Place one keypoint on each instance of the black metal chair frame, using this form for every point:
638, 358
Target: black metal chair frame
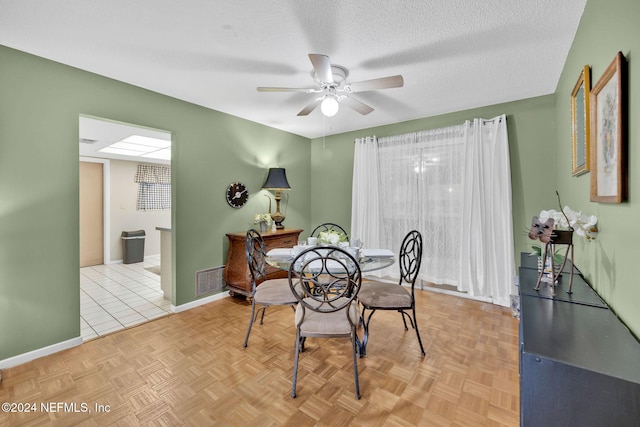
410, 260
255, 252
325, 280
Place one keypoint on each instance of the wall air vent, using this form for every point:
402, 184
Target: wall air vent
210, 281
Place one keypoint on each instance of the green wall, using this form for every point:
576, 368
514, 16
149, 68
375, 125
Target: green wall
39, 107
607, 26
531, 126
40, 104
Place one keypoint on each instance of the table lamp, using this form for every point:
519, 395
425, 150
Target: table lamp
277, 181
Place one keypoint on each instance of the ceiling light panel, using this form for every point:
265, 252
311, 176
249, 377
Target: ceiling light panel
164, 154
124, 152
147, 141
131, 147
141, 146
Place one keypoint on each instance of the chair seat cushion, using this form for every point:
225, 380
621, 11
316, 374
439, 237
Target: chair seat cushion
274, 291
326, 323
386, 296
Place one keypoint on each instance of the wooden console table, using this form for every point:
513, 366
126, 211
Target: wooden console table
236, 271
579, 364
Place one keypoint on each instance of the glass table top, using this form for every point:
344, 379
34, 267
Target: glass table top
366, 263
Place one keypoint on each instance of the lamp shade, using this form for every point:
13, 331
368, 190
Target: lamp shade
276, 180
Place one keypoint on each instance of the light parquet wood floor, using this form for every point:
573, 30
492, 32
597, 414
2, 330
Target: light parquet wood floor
190, 369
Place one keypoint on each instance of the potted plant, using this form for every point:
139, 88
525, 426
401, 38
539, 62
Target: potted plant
331, 237
564, 223
264, 220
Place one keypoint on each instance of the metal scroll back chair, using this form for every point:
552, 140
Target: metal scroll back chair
328, 226
390, 296
326, 282
264, 293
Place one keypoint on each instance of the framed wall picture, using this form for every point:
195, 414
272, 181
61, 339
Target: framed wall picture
580, 123
609, 135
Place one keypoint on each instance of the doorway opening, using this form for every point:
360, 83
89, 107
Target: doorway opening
117, 289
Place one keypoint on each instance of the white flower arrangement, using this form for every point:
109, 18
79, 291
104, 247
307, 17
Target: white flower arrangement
266, 218
331, 237
582, 225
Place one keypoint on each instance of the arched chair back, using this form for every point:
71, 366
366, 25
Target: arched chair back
254, 246
410, 258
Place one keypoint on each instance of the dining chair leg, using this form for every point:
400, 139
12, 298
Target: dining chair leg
415, 324
295, 364
253, 311
362, 350
355, 364
403, 319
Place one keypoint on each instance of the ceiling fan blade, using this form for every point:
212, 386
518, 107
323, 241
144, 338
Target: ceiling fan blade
309, 108
359, 106
322, 65
286, 89
381, 83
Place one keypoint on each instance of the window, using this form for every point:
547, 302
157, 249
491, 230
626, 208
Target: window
154, 187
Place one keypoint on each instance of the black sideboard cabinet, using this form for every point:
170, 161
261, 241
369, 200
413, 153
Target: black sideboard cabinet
579, 364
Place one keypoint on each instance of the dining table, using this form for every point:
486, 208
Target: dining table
369, 259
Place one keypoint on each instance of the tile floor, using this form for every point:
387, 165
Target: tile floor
117, 296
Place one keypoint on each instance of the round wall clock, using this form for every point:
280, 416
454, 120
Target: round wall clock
237, 195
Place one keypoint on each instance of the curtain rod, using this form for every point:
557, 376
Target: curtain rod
484, 121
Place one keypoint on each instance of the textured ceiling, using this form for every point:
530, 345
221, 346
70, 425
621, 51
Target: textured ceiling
454, 54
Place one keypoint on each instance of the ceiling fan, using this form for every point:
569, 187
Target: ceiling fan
333, 89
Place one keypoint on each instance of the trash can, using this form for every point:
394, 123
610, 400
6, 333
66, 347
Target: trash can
133, 246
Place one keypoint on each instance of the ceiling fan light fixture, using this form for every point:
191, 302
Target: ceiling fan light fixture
330, 79
329, 106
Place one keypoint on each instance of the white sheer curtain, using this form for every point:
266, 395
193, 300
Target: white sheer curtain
365, 206
488, 266
454, 186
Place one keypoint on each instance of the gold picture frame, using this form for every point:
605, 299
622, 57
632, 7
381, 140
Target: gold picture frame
609, 134
580, 129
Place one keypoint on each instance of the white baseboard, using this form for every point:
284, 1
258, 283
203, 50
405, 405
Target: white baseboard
457, 294
199, 302
41, 352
